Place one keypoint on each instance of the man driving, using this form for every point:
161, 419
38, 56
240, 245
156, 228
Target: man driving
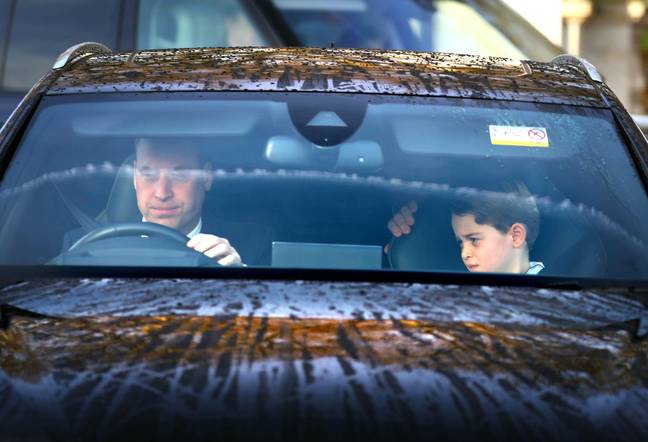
170, 180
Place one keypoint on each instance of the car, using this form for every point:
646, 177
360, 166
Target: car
301, 323
36, 31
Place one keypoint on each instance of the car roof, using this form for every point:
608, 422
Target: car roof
328, 70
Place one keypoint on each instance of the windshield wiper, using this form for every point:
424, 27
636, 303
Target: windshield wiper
570, 284
626, 287
8, 311
637, 328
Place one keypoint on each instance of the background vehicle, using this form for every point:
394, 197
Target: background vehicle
35, 32
129, 333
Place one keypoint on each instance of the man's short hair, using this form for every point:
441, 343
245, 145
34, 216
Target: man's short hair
502, 206
172, 143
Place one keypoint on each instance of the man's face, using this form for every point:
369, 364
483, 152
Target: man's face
170, 184
483, 247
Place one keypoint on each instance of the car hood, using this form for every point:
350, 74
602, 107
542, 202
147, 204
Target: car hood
270, 359
525, 306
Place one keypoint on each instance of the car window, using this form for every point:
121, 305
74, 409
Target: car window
442, 25
311, 180
195, 23
63, 23
454, 27
5, 15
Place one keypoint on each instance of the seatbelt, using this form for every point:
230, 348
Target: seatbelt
84, 220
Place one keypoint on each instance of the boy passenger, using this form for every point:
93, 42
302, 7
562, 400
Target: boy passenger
495, 230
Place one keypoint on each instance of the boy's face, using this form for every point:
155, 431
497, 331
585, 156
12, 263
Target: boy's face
484, 248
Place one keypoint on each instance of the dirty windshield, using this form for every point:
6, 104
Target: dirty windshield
324, 181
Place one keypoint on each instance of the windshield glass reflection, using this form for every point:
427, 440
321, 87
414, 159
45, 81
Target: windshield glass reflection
339, 182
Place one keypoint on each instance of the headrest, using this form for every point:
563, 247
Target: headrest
430, 246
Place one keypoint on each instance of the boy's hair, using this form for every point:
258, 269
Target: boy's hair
506, 204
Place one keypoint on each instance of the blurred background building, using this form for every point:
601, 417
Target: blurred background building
611, 34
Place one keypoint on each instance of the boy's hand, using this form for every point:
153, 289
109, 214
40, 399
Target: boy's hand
216, 248
401, 223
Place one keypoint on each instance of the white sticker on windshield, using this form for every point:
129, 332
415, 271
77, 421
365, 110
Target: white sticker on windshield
519, 136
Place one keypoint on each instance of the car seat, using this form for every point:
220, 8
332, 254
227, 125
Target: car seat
569, 245
121, 206
430, 246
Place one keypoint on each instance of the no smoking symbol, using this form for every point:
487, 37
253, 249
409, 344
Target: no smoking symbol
537, 134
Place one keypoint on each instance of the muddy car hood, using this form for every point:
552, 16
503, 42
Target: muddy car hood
100, 359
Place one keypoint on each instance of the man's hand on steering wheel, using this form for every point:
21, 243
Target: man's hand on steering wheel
216, 248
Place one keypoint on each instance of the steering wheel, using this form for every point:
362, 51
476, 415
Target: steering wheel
130, 229
133, 244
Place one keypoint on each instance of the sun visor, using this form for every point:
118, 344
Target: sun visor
491, 131
171, 118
